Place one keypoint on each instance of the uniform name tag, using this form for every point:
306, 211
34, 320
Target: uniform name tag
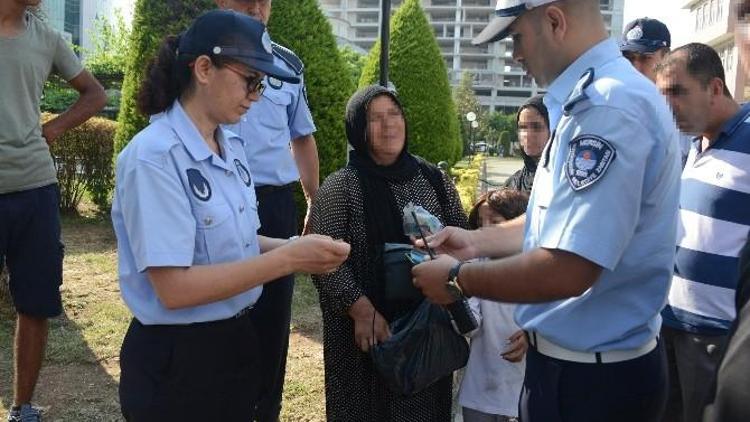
589, 157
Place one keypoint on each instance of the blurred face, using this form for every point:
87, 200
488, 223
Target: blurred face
258, 9
645, 63
689, 99
533, 132
488, 216
228, 90
742, 33
386, 130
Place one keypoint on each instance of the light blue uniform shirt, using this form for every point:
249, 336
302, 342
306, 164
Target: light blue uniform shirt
606, 189
177, 204
280, 116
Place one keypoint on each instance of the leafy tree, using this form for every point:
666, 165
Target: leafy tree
418, 71
153, 20
354, 61
107, 59
302, 26
466, 102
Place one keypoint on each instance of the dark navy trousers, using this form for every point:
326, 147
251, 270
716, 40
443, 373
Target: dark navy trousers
561, 391
273, 312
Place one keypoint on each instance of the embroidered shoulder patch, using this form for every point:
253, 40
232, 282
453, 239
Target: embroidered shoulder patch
589, 157
199, 185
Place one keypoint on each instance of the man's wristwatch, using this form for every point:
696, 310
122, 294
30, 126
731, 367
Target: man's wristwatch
453, 286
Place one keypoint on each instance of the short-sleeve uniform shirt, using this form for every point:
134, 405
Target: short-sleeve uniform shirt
280, 116
26, 61
606, 189
178, 204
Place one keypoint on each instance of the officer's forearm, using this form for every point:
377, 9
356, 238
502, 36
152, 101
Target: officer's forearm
305, 152
270, 243
540, 275
202, 284
502, 241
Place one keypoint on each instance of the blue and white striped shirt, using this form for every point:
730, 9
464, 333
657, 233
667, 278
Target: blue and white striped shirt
714, 225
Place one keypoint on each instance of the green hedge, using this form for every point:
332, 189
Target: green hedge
153, 20
301, 26
83, 159
467, 180
418, 71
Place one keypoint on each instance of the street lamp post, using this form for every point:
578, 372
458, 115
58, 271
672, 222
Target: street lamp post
385, 25
472, 118
474, 125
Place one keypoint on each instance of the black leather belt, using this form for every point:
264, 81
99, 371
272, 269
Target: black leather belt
267, 189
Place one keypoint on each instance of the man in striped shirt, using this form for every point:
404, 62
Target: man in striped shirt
714, 219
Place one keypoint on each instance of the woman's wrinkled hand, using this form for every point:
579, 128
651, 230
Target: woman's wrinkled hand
370, 328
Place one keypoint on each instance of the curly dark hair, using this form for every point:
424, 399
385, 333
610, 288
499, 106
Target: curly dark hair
509, 203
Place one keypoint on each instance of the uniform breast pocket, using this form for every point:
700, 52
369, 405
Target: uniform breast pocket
277, 101
216, 237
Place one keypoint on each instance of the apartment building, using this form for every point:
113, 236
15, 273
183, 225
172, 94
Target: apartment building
500, 84
713, 24
75, 18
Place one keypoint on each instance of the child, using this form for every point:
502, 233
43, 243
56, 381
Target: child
492, 382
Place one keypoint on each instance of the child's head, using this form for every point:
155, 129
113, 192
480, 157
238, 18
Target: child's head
497, 206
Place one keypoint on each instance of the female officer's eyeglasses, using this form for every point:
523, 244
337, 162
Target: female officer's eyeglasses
254, 82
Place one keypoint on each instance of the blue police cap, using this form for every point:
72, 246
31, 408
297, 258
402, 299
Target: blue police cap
645, 36
235, 35
506, 12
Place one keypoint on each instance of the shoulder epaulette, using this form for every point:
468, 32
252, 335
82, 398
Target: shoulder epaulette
288, 56
579, 92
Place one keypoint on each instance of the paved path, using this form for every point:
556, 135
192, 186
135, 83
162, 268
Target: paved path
499, 169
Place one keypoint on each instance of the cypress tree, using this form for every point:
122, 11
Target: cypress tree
153, 20
301, 26
418, 71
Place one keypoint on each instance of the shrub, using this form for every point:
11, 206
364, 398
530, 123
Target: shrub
83, 159
153, 20
301, 26
467, 181
418, 71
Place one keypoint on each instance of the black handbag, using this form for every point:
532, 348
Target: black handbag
397, 277
422, 349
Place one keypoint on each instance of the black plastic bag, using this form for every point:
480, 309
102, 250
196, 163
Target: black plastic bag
422, 349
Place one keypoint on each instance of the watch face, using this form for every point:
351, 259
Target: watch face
454, 290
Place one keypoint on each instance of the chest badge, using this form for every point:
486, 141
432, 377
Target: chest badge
589, 157
275, 83
243, 172
199, 185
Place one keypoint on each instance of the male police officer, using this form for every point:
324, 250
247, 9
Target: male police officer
597, 253
645, 42
280, 118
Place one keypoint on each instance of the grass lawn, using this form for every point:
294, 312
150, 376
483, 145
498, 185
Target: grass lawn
81, 372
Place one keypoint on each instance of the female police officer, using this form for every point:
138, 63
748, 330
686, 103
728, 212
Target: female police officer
185, 217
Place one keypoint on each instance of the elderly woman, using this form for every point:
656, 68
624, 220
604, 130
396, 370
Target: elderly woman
362, 203
533, 132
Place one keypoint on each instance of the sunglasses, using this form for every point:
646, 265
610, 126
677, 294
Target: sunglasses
254, 82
